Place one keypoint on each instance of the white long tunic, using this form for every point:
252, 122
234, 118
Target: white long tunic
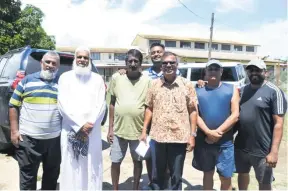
81, 100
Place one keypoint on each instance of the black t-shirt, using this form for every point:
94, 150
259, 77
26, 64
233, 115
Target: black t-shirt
256, 124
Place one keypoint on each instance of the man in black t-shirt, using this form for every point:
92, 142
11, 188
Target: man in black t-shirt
262, 109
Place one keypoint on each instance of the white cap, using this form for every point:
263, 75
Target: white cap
258, 63
217, 62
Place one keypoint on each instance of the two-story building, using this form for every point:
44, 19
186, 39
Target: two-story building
189, 50
196, 49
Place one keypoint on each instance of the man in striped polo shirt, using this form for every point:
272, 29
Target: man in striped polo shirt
36, 135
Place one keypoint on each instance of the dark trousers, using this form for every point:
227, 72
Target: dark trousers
49, 153
172, 154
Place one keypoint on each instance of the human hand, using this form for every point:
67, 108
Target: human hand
201, 83
190, 144
87, 128
213, 136
15, 138
110, 137
143, 137
272, 159
122, 71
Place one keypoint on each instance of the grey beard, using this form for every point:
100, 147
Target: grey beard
47, 74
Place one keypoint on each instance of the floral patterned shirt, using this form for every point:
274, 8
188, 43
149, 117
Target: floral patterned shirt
170, 103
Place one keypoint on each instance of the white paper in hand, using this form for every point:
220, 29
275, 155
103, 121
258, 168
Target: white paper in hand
143, 147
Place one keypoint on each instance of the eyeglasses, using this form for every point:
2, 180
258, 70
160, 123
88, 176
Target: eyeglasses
85, 57
171, 63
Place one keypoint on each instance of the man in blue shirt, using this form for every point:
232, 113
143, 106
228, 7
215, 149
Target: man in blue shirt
36, 125
156, 52
218, 112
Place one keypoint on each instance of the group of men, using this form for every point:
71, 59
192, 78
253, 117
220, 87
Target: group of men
156, 102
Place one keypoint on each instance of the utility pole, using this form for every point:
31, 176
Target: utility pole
211, 37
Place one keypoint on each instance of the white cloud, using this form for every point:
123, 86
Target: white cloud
94, 24
230, 5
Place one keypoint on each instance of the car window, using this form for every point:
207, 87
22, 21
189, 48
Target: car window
33, 64
2, 64
229, 74
12, 66
183, 72
197, 74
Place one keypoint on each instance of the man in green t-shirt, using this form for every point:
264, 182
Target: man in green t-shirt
126, 115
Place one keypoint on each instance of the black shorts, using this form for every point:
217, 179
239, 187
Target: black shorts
244, 162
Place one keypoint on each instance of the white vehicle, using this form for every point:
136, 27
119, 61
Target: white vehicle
233, 72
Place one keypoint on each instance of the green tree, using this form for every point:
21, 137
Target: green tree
19, 28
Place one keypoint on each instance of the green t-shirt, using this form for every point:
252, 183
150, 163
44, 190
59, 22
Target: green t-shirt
129, 106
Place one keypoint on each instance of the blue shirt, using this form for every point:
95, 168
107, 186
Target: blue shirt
153, 75
37, 100
215, 108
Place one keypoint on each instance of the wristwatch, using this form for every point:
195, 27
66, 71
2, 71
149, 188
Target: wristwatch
193, 134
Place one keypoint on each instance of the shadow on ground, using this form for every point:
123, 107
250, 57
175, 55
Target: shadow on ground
128, 184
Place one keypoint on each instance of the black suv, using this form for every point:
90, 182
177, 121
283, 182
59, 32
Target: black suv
14, 66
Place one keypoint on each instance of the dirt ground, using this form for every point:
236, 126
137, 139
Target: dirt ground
192, 179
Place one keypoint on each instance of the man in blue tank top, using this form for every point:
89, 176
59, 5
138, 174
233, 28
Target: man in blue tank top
218, 112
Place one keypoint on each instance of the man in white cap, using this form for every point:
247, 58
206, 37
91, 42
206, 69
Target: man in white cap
81, 102
262, 109
218, 112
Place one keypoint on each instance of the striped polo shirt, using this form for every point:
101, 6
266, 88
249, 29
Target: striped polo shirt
153, 75
37, 99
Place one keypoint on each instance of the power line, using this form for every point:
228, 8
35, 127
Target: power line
190, 10
216, 20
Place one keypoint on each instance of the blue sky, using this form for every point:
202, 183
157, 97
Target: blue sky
115, 23
259, 12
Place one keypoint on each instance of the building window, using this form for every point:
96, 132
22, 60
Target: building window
109, 56
154, 41
199, 45
214, 46
225, 47
170, 43
184, 44
119, 56
250, 49
238, 48
95, 56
